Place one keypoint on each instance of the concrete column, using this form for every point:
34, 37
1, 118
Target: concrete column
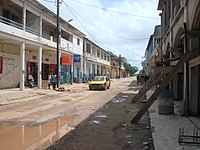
81, 70
40, 67
95, 72
40, 24
72, 69
24, 17
100, 70
85, 68
22, 71
90, 73
103, 70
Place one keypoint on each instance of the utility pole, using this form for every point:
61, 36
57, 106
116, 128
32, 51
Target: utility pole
119, 65
58, 42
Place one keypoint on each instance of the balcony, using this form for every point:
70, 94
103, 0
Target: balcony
16, 29
66, 45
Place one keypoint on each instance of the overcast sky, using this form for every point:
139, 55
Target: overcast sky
120, 26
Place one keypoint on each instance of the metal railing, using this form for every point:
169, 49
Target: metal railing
18, 25
11, 22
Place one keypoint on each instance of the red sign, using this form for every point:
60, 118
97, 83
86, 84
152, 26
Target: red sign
66, 60
1, 64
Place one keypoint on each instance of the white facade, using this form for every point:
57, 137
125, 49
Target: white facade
28, 42
96, 60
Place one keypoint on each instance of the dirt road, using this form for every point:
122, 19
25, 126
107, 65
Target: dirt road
100, 120
108, 126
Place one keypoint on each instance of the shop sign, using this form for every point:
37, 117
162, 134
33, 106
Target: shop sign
77, 58
66, 60
1, 64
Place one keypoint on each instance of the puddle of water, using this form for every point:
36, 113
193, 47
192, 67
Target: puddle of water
32, 135
95, 122
125, 96
101, 116
118, 100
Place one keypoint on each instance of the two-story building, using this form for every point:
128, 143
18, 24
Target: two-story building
153, 52
180, 24
96, 60
117, 66
28, 44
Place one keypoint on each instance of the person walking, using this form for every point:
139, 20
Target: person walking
49, 81
54, 81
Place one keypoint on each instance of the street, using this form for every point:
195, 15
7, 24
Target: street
38, 123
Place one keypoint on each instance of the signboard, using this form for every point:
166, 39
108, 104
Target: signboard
77, 58
1, 64
66, 60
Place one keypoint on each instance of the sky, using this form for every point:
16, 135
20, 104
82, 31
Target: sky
120, 26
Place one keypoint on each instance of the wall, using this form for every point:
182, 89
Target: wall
11, 66
78, 49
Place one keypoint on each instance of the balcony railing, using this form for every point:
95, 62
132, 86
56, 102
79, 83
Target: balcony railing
11, 22
18, 25
66, 45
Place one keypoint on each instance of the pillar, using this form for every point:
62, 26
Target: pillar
85, 68
81, 70
103, 70
95, 72
22, 70
40, 67
100, 70
90, 73
72, 70
24, 17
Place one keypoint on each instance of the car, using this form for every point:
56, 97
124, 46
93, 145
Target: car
99, 82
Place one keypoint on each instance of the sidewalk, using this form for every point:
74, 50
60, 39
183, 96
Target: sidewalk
14, 95
165, 128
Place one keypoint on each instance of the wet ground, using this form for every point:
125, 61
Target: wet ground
109, 128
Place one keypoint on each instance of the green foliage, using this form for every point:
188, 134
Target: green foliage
130, 69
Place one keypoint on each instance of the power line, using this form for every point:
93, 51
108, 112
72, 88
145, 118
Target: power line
79, 21
51, 1
107, 31
122, 13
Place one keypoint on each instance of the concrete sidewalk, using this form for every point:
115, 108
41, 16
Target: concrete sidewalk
14, 95
165, 128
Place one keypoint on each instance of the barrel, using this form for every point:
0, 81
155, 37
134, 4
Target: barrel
166, 102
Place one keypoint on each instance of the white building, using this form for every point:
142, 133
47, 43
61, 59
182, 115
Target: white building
96, 60
28, 44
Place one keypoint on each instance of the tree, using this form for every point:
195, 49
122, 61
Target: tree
130, 69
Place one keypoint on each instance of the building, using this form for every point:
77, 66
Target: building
180, 27
117, 66
153, 52
28, 44
96, 60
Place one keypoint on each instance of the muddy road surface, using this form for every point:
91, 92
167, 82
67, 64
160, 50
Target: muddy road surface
81, 120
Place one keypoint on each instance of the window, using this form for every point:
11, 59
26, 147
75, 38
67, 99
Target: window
108, 58
98, 53
78, 41
88, 48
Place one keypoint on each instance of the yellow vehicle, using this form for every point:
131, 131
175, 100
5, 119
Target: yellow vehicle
99, 82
